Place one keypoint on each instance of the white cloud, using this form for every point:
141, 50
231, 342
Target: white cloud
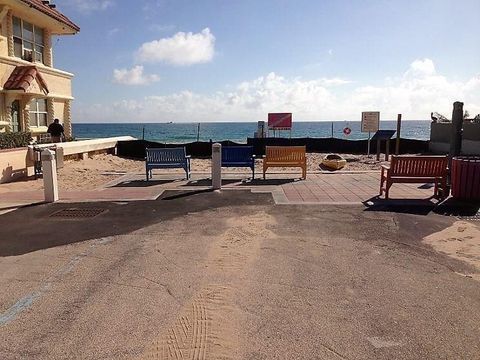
421, 68
86, 6
181, 49
134, 76
112, 32
415, 93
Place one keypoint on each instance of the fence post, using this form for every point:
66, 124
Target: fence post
399, 126
50, 183
217, 166
456, 136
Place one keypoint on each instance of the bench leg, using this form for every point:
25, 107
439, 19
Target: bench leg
387, 189
253, 172
146, 173
304, 173
264, 171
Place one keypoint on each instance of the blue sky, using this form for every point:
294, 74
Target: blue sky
173, 60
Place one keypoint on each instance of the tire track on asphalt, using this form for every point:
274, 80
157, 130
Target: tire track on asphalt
206, 327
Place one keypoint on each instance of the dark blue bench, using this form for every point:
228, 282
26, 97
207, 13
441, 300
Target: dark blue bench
166, 158
238, 156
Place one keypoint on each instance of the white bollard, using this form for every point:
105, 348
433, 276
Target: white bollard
49, 168
216, 166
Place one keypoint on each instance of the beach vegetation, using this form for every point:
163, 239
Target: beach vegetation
13, 140
466, 117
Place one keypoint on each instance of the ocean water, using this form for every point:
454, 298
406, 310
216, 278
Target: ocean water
239, 131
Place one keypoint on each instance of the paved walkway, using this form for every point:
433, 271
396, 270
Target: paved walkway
232, 276
318, 188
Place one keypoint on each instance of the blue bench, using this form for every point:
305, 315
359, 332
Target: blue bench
166, 158
238, 156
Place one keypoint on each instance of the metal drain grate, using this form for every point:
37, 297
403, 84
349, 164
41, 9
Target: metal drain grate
75, 213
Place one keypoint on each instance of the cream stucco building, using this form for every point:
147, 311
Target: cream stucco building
32, 91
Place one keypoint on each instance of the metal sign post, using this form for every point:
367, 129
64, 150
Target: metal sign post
368, 147
370, 123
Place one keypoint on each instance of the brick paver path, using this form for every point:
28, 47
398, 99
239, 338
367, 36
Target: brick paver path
318, 188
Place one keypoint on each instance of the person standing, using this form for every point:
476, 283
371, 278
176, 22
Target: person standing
56, 131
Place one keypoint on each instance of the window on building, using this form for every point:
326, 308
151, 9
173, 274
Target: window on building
38, 112
27, 40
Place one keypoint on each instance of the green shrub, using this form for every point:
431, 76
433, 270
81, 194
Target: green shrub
15, 140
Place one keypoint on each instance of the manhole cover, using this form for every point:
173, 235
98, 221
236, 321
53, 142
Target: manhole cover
75, 213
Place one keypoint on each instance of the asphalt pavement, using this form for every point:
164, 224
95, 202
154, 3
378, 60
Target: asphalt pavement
231, 275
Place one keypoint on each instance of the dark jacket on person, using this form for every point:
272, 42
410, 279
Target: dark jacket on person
55, 129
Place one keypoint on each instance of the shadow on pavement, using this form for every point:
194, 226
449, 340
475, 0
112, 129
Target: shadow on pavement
173, 195
34, 228
453, 207
144, 183
449, 207
3, 208
268, 182
208, 182
402, 206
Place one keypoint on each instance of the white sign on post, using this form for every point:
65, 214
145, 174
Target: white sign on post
370, 123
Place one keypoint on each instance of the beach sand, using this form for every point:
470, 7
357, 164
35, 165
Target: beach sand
460, 241
99, 170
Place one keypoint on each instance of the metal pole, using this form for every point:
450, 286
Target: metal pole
456, 136
332, 129
368, 148
198, 132
143, 134
399, 126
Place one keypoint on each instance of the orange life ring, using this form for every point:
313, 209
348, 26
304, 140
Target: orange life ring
347, 131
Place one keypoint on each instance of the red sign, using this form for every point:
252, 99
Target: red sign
280, 121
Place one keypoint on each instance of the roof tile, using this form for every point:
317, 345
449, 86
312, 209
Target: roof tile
22, 78
52, 12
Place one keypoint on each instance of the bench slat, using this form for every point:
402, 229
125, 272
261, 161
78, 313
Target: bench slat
405, 169
238, 156
285, 156
166, 158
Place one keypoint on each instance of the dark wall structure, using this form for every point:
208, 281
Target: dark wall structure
136, 148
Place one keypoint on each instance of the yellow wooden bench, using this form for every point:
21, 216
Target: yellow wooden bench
285, 156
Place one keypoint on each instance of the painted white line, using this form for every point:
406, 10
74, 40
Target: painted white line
27, 301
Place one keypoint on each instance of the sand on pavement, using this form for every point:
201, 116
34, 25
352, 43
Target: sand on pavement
99, 170
460, 241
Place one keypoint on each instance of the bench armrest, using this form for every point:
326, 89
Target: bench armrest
264, 156
254, 156
188, 156
386, 167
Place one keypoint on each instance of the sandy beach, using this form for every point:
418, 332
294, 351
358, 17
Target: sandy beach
99, 170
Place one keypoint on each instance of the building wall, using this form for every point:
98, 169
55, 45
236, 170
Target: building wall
3, 38
59, 82
59, 107
15, 164
440, 134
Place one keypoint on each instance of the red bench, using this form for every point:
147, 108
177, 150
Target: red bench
416, 169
